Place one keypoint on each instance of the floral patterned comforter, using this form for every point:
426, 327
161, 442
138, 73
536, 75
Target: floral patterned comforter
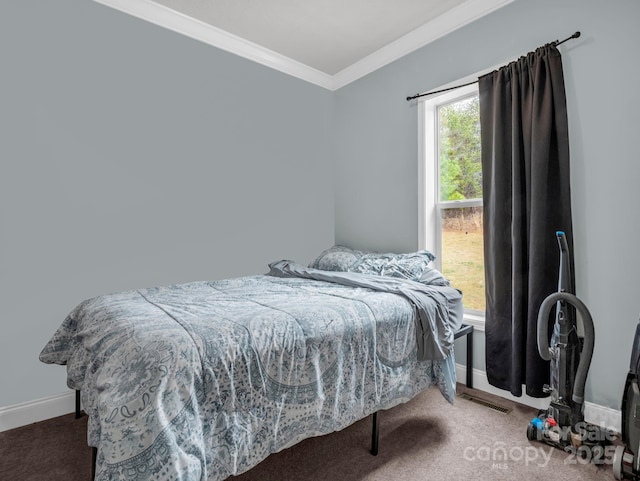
204, 380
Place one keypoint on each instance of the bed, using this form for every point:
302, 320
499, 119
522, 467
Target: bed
203, 380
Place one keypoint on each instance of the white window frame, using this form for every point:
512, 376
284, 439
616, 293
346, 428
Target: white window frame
429, 204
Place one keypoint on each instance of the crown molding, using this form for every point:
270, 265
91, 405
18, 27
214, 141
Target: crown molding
446, 23
183, 24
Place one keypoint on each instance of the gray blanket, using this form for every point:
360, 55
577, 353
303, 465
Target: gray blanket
435, 324
202, 381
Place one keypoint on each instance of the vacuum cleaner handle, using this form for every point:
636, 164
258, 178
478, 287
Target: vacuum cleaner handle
565, 283
589, 338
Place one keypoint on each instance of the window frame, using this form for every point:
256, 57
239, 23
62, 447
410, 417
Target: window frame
429, 204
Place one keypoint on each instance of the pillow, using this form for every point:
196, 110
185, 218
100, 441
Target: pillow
336, 258
413, 266
410, 266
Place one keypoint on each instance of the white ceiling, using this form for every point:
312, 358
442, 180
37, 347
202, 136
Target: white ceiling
326, 42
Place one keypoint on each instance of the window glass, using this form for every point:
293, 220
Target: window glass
458, 193
462, 255
459, 150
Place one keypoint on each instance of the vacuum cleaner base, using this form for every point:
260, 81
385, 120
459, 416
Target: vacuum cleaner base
586, 441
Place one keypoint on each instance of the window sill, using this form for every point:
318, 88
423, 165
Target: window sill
475, 320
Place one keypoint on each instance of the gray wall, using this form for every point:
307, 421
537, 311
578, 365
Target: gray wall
376, 152
131, 156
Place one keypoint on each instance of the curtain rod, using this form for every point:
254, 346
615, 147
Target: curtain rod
556, 43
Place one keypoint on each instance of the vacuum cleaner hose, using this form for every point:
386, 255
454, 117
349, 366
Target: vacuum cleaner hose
589, 338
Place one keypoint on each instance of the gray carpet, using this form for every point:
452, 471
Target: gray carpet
426, 438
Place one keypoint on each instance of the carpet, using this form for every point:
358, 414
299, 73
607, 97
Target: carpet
426, 438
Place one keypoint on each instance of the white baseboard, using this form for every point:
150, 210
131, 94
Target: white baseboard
603, 416
34, 411
593, 413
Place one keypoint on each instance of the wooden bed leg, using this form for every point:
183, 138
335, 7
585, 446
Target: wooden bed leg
374, 434
94, 456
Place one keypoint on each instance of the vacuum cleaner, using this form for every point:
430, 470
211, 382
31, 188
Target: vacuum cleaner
562, 425
626, 459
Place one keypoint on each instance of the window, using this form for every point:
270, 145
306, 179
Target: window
451, 191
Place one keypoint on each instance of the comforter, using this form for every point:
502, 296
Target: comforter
203, 380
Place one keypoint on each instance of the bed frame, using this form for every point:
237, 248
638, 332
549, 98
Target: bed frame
465, 330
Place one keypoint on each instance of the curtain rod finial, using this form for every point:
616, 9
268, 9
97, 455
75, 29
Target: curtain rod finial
575, 35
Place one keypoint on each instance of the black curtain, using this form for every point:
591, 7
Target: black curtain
525, 169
